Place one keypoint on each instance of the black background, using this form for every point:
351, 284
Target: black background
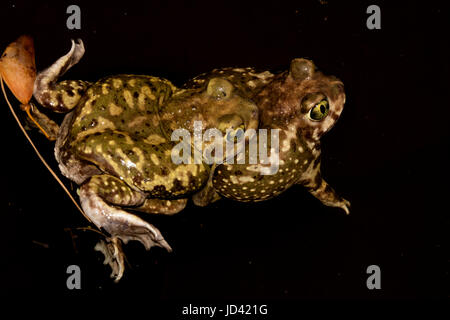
387, 154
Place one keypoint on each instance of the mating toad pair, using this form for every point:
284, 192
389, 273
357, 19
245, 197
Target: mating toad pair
115, 141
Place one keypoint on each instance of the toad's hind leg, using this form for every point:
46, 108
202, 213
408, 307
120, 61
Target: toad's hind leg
61, 96
100, 198
162, 206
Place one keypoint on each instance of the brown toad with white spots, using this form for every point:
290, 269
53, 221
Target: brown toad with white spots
303, 104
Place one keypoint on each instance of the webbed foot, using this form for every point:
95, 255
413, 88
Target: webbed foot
320, 189
97, 196
344, 205
114, 256
118, 223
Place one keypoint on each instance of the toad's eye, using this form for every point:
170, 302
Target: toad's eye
319, 111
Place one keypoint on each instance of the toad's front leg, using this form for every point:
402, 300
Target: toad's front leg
208, 194
100, 197
312, 180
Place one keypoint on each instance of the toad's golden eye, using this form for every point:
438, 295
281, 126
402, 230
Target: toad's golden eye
319, 111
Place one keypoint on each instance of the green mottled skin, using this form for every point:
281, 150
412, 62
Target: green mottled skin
121, 149
161, 89
134, 143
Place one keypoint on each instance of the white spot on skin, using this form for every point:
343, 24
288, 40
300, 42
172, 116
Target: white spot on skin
154, 139
245, 179
125, 161
155, 159
234, 180
141, 101
136, 122
291, 133
285, 146
128, 98
146, 90
87, 108
251, 84
114, 110
273, 164
117, 83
